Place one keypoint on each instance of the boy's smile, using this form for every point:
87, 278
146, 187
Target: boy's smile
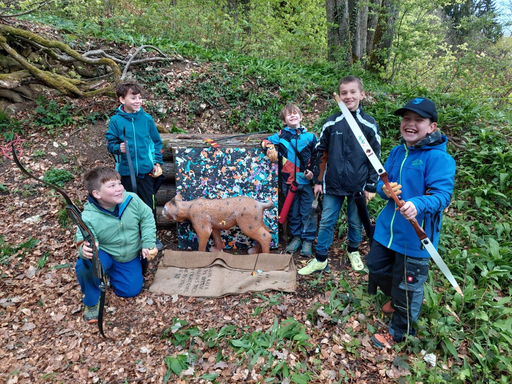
351, 95
110, 194
293, 119
131, 103
415, 127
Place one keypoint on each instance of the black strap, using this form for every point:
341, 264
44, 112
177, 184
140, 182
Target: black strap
130, 163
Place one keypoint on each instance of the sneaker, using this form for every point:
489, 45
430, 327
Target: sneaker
294, 245
313, 266
91, 313
307, 249
159, 245
355, 261
383, 340
387, 308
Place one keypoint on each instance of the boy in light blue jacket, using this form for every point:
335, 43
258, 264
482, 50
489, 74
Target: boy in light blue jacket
423, 175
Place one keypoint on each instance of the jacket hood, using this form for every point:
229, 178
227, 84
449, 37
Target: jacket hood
120, 111
431, 140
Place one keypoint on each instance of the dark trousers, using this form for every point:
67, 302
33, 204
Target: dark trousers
145, 189
401, 277
299, 212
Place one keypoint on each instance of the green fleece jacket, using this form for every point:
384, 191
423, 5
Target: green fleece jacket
123, 231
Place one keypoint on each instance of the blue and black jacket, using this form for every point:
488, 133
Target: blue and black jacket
295, 147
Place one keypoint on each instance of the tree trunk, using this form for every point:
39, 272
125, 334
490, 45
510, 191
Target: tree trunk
383, 38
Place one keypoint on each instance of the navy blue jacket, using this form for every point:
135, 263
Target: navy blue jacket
340, 163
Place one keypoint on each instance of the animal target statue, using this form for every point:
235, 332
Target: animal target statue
210, 216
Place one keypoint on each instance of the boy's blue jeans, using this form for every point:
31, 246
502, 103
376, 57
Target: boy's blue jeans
126, 278
330, 214
299, 212
401, 277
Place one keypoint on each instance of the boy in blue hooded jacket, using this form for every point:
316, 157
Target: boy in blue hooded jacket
423, 176
132, 125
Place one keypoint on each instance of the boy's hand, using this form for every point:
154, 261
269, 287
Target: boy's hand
157, 170
308, 174
149, 254
408, 210
395, 187
318, 189
87, 250
272, 154
369, 196
122, 147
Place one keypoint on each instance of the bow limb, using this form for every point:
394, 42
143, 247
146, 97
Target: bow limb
76, 217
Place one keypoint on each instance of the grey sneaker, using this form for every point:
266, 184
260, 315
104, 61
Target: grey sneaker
159, 245
294, 245
91, 313
307, 249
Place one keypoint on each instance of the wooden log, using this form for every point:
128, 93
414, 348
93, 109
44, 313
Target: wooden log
162, 221
164, 194
183, 140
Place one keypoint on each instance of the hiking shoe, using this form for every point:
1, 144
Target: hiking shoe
313, 266
294, 245
383, 340
307, 249
355, 261
91, 313
388, 308
158, 244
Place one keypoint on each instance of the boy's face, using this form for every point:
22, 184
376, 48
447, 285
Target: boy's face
351, 95
415, 127
110, 194
131, 102
292, 119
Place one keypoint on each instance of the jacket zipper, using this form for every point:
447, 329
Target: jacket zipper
400, 182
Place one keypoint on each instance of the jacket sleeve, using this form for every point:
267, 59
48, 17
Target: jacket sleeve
439, 182
273, 139
157, 141
146, 223
113, 137
373, 176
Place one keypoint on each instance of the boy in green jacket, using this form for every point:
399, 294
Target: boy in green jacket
124, 229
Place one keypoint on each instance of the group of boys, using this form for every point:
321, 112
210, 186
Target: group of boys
423, 176
123, 222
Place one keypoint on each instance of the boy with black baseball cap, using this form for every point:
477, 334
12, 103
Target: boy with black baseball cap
397, 262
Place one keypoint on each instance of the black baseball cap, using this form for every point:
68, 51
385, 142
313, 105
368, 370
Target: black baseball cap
422, 106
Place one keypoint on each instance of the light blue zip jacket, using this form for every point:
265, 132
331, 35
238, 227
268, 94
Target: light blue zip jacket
143, 139
427, 174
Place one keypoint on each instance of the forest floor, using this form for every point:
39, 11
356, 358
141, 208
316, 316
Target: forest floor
44, 338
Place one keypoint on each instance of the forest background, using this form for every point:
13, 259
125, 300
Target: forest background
261, 55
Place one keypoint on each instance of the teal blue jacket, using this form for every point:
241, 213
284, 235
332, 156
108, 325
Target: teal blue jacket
143, 139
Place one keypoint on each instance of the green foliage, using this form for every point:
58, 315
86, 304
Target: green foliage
9, 128
57, 176
7, 250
